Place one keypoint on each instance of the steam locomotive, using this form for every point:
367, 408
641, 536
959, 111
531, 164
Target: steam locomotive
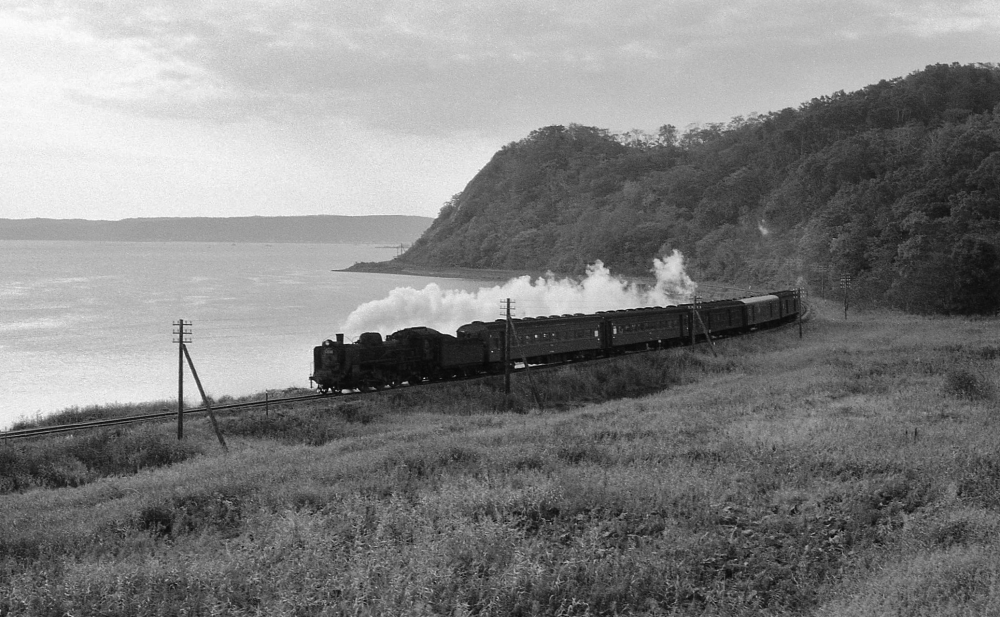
419, 354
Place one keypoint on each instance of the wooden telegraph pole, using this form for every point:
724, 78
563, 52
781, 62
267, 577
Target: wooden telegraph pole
506, 348
798, 314
183, 333
510, 334
708, 335
183, 339
694, 312
822, 280
845, 284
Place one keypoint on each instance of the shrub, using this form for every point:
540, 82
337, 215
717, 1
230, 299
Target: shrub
124, 451
967, 383
80, 459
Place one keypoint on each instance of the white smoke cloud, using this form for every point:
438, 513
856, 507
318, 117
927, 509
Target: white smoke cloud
446, 310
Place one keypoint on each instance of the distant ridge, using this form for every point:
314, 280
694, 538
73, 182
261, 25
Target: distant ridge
319, 229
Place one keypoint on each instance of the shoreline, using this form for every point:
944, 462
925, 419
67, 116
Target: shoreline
410, 269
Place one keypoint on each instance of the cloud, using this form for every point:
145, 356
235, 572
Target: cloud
931, 19
440, 66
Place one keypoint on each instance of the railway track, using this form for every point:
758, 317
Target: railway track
65, 428
91, 424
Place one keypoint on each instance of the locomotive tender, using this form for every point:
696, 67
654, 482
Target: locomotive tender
417, 354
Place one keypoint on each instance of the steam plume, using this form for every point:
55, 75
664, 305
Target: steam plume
446, 310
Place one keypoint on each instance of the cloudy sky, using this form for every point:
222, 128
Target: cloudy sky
112, 109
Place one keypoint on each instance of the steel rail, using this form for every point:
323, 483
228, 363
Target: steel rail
62, 428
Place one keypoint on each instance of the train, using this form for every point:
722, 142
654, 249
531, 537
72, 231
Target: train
421, 354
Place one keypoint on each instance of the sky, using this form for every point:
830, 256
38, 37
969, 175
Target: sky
113, 109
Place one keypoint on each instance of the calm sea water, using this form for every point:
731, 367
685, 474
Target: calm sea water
85, 323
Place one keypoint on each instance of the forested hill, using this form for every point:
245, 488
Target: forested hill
320, 229
896, 185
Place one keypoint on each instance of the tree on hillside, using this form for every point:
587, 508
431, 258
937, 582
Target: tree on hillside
896, 184
975, 270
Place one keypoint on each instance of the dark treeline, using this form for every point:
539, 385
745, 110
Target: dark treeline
896, 185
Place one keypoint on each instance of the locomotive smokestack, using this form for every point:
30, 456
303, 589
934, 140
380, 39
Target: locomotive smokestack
340, 339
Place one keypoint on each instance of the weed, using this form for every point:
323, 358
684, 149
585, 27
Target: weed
967, 383
199, 511
979, 480
312, 427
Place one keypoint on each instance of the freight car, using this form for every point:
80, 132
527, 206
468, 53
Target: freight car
419, 354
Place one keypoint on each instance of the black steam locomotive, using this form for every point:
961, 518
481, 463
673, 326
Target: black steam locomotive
418, 354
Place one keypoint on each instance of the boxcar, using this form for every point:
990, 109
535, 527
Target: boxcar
788, 304
762, 310
722, 316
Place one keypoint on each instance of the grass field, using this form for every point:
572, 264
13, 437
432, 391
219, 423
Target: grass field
853, 472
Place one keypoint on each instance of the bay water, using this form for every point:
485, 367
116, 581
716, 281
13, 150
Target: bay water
86, 323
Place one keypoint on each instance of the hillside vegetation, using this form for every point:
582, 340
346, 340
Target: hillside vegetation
896, 185
852, 472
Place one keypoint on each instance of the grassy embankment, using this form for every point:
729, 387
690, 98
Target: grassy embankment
854, 472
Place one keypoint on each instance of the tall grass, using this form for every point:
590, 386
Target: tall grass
837, 475
88, 456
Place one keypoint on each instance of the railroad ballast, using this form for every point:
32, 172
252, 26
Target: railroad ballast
418, 354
